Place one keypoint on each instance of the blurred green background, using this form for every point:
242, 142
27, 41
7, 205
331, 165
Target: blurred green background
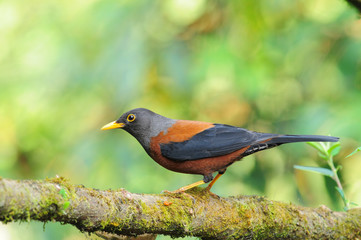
69, 67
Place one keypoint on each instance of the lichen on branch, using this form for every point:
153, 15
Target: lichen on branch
196, 213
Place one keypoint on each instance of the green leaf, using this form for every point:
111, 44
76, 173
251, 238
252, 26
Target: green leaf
323, 171
66, 205
355, 151
334, 150
317, 146
323, 155
345, 201
339, 167
63, 193
340, 191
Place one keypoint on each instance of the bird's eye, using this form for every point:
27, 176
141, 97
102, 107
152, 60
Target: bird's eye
131, 118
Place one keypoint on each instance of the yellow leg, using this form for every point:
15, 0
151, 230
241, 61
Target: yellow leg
213, 181
185, 188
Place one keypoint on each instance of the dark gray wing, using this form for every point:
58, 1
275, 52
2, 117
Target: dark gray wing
213, 142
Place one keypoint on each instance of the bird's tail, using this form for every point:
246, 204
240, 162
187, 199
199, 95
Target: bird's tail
266, 141
281, 139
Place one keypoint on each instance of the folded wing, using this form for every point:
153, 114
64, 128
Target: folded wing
224, 139
213, 142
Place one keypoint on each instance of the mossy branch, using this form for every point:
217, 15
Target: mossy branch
196, 213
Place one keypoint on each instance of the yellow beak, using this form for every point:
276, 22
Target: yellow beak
113, 125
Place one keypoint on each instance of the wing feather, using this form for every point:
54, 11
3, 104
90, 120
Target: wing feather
213, 142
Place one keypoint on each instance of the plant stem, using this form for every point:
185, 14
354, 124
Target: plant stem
337, 180
335, 177
334, 170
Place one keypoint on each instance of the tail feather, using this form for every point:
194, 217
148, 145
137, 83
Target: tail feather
301, 138
268, 141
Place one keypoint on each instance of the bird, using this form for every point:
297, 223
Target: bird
196, 147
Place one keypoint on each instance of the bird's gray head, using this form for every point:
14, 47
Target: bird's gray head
143, 124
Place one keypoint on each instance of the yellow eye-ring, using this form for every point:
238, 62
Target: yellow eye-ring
131, 118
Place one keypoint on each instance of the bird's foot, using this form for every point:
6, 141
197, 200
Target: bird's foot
185, 188
172, 192
213, 194
178, 191
203, 191
192, 186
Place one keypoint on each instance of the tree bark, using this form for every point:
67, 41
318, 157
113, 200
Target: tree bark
195, 213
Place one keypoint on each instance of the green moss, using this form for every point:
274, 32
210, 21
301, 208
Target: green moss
59, 180
177, 218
